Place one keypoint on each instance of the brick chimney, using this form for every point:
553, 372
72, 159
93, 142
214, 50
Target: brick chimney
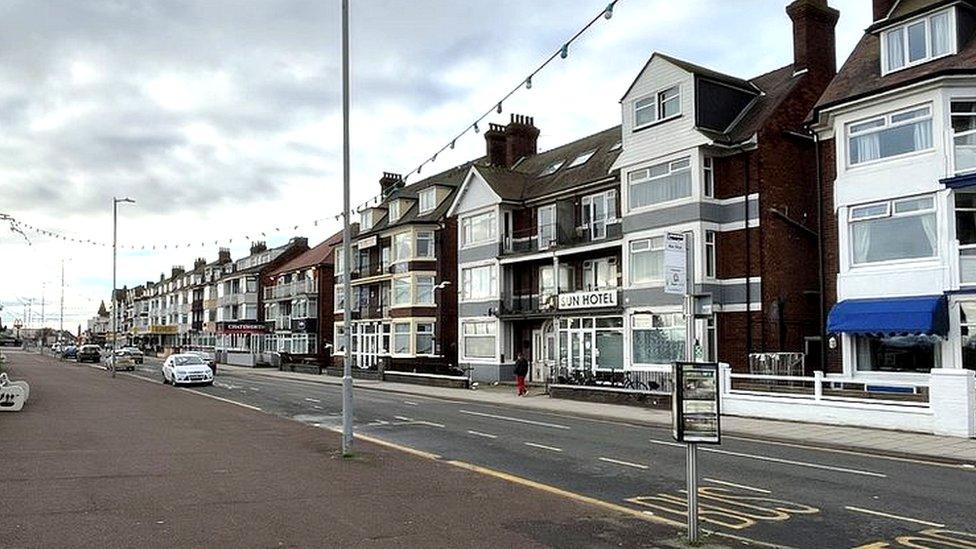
177, 271
813, 36
258, 247
880, 8
223, 255
199, 263
497, 145
389, 182
505, 145
299, 241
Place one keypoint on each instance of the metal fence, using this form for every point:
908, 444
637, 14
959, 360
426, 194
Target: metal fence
645, 381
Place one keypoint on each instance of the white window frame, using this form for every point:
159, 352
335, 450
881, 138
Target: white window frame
708, 177
393, 339
656, 101
903, 30
546, 232
710, 256
588, 205
591, 270
552, 168
955, 164
416, 244
468, 221
393, 211
582, 159
891, 213
417, 333
467, 274
887, 124
427, 200
365, 220
650, 242
632, 179
408, 235
481, 328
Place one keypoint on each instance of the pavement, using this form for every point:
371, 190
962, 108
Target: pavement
93, 461
894, 443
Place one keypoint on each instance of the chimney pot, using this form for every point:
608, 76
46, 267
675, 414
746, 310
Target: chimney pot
814, 46
506, 144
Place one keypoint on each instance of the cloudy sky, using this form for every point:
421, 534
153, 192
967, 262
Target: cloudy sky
222, 118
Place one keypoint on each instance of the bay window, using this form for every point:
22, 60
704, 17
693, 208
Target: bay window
647, 260
967, 327
964, 135
897, 353
478, 339
424, 339
425, 290
893, 230
661, 183
478, 229
402, 246
965, 212
599, 210
919, 41
658, 338
478, 282
425, 244
890, 135
401, 291
660, 106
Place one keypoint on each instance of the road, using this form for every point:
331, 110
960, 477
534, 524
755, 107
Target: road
767, 491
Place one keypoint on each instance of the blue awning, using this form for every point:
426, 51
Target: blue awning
896, 315
960, 181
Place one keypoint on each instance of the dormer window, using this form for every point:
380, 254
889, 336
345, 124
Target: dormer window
918, 41
661, 106
394, 211
428, 200
366, 220
551, 168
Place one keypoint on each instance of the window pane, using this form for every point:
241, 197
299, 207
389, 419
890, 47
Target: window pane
911, 353
893, 238
871, 210
401, 291
965, 152
913, 205
967, 321
657, 345
916, 41
479, 346
611, 350
896, 49
647, 266
940, 39
670, 187
870, 124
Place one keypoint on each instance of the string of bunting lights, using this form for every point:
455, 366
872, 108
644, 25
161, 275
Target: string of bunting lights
562, 53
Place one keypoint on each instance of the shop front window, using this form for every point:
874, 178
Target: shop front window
658, 338
897, 353
610, 350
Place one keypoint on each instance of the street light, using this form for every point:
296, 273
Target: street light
115, 233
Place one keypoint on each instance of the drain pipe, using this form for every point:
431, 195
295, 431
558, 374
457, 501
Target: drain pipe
745, 206
820, 254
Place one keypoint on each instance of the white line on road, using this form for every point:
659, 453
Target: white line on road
480, 434
544, 447
734, 485
896, 517
624, 463
776, 460
248, 406
428, 423
317, 407
315, 400
516, 419
403, 418
410, 403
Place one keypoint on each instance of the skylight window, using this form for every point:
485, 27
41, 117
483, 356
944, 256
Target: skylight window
551, 169
615, 146
581, 159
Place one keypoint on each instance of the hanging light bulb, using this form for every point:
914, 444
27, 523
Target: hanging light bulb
499, 108
564, 52
528, 83
475, 127
609, 12
452, 144
419, 168
434, 158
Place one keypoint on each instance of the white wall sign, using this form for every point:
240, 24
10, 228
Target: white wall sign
588, 300
675, 264
367, 242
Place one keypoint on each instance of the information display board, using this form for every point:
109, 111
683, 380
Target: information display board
695, 403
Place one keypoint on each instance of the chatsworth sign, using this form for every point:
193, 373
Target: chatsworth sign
588, 300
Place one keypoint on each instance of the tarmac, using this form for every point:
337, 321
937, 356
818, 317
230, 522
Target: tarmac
93, 461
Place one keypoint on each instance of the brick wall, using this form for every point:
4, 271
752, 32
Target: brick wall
831, 246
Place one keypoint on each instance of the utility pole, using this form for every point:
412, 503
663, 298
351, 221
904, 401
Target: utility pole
43, 318
347, 410
61, 321
115, 231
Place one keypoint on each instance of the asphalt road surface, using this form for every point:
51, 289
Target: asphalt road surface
767, 491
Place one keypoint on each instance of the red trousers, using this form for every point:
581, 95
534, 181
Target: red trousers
520, 385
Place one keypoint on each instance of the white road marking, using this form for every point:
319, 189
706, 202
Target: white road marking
403, 418
317, 407
254, 388
624, 463
516, 419
480, 434
428, 423
775, 460
248, 406
896, 517
544, 447
410, 403
315, 400
734, 485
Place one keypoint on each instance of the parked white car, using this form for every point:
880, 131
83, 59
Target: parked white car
186, 369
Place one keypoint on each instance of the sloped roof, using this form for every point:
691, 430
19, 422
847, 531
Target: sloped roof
906, 9
321, 254
708, 73
860, 76
775, 86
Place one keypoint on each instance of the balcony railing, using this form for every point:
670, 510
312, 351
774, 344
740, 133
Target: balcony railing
370, 270
284, 291
529, 303
545, 237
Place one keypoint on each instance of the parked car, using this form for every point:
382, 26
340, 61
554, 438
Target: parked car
69, 352
206, 357
131, 352
123, 361
89, 353
186, 369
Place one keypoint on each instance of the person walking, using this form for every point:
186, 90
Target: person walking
521, 370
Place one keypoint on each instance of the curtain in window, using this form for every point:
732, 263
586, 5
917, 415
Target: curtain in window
923, 135
896, 49
672, 187
646, 266
940, 34
660, 346
865, 148
895, 238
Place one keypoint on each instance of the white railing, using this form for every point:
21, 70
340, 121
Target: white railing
291, 289
813, 388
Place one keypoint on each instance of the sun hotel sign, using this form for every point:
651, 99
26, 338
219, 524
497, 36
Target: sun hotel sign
588, 300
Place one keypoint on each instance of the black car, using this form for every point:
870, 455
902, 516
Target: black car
89, 353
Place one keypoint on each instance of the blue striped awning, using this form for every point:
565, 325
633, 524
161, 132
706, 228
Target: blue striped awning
897, 315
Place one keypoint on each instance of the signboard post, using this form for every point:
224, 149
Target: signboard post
675, 265
695, 419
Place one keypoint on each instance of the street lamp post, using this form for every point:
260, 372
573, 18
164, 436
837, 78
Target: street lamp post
347, 405
115, 233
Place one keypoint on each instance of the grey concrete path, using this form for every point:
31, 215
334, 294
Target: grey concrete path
894, 443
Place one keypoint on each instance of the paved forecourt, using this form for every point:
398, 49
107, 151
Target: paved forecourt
93, 461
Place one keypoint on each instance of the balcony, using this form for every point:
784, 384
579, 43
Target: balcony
291, 289
368, 271
528, 304
547, 237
